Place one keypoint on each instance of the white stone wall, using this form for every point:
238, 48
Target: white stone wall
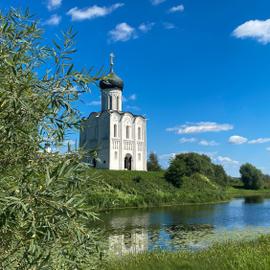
115, 134
95, 136
134, 145
111, 100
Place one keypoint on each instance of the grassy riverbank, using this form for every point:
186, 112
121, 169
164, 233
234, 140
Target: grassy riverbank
121, 189
241, 256
239, 192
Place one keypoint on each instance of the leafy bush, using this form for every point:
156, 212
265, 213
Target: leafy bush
251, 177
189, 164
43, 215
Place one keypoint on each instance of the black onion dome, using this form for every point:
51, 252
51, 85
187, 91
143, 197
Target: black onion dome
111, 81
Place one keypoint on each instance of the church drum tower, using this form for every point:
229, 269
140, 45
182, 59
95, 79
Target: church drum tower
118, 137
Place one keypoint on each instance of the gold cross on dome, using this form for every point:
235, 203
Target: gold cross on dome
112, 56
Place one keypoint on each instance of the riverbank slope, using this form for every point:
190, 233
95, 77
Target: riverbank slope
124, 189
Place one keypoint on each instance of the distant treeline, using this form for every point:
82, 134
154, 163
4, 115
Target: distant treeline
189, 164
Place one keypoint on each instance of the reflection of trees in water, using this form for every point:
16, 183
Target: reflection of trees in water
127, 220
158, 216
254, 199
179, 236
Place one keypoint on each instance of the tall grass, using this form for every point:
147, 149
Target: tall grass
120, 189
253, 255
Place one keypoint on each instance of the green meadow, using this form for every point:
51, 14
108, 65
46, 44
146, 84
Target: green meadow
252, 255
125, 189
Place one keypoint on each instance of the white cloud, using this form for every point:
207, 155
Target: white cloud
132, 97
200, 142
122, 32
146, 27
133, 108
169, 26
259, 140
92, 12
255, 29
53, 20
208, 143
125, 32
53, 4
179, 8
236, 139
157, 2
201, 127
167, 157
187, 140
226, 160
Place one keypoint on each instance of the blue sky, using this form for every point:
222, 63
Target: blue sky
198, 70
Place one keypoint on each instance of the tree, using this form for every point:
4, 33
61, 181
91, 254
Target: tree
251, 177
188, 164
43, 215
152, 163
220, 176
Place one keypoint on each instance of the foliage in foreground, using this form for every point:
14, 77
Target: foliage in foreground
188, 164
43, 214
119, 189
252, 255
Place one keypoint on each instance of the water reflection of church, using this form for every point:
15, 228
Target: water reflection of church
134, 241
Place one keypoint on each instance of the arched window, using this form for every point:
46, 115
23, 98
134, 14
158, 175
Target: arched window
139, 133
114, 130
115, 155
117, 104
139, 156
127, 132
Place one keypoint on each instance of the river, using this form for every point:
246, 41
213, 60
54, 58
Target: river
190, 227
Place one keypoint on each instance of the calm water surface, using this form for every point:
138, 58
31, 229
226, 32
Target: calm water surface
185, 227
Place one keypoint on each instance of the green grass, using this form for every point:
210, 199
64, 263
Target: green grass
253, 255
122, 189
239, 192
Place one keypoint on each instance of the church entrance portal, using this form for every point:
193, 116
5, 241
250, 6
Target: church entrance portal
128, 162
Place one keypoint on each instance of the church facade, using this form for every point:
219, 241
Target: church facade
118, 137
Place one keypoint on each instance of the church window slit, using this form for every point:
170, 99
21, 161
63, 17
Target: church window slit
139, 133
117, 103
128, 132
115, 130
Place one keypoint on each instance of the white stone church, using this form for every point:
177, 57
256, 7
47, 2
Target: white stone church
118, 137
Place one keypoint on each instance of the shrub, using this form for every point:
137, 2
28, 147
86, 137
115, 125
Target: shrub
137, 179
43, 215
251, 177
189, 164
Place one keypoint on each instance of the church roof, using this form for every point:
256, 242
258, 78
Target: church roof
111, 81
99, 114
